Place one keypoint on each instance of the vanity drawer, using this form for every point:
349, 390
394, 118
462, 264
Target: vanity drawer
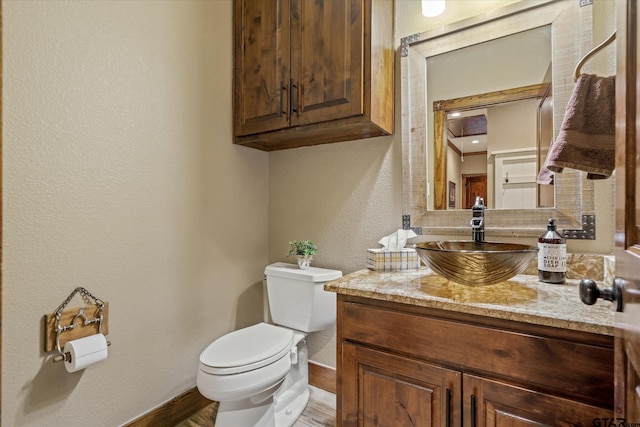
566, 367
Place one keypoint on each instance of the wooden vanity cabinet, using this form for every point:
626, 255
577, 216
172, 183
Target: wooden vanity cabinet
403, 365
384, 389
312, 71
495, 403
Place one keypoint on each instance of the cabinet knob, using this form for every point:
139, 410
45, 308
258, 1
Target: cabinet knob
590, 292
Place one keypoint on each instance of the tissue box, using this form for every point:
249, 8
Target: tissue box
386, 260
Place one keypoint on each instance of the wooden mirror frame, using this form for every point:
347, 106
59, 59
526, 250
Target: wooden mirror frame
574, 198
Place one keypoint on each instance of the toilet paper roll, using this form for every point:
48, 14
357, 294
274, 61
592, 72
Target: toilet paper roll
85, 352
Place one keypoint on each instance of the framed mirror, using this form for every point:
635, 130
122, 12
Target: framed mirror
426, 197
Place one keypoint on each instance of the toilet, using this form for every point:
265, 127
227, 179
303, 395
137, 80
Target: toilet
259, 374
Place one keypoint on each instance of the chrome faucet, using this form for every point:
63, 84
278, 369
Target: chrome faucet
477, 220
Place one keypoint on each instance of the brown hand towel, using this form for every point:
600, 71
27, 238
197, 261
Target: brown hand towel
586, 140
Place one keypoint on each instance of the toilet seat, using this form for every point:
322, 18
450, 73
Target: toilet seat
246, 349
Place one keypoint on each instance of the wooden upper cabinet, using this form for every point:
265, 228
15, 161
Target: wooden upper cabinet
310, 72
327, 62
262, 64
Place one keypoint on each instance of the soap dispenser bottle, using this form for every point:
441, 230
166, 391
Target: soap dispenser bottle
552, 255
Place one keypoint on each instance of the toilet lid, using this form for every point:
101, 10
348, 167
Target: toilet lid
246, 349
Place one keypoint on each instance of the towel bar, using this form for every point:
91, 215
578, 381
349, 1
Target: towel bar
576, 73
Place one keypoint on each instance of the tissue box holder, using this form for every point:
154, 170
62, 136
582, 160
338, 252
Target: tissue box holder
386, 260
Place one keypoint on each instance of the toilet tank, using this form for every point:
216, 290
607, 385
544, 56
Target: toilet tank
297, 298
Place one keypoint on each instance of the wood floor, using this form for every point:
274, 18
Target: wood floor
320, 412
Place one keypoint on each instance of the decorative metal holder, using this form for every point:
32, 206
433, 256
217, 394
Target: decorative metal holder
54, 324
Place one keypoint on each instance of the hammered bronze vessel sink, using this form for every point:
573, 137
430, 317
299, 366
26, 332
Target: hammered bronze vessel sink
476, 263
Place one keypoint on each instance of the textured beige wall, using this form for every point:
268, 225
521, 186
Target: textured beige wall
120, 175
409, 19
343, 197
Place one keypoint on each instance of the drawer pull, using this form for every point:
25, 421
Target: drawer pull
473, 410
282, 89
292, 98
448, 408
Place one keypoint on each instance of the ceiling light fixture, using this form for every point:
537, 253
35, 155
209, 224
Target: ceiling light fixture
431, 8
475, 141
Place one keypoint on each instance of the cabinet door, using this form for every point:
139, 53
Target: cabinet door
327, 38
262, 56
381, 389
489, 403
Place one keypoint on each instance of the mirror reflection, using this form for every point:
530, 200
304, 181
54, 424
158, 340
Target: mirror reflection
495, 152
493, 122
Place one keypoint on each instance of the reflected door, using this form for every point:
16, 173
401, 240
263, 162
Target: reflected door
515, 179
474, 186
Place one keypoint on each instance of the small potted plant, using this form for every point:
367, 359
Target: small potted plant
304, 250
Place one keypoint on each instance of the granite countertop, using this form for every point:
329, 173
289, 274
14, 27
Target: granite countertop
522, 298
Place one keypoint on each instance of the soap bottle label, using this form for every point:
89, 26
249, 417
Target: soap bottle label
552, 257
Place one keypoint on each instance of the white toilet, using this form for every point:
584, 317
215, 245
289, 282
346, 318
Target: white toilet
259, 374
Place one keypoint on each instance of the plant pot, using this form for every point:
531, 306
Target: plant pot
304, 262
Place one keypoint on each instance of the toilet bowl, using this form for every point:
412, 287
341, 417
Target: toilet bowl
259, 374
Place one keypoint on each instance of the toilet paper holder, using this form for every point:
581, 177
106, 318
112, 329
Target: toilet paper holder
93, 321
